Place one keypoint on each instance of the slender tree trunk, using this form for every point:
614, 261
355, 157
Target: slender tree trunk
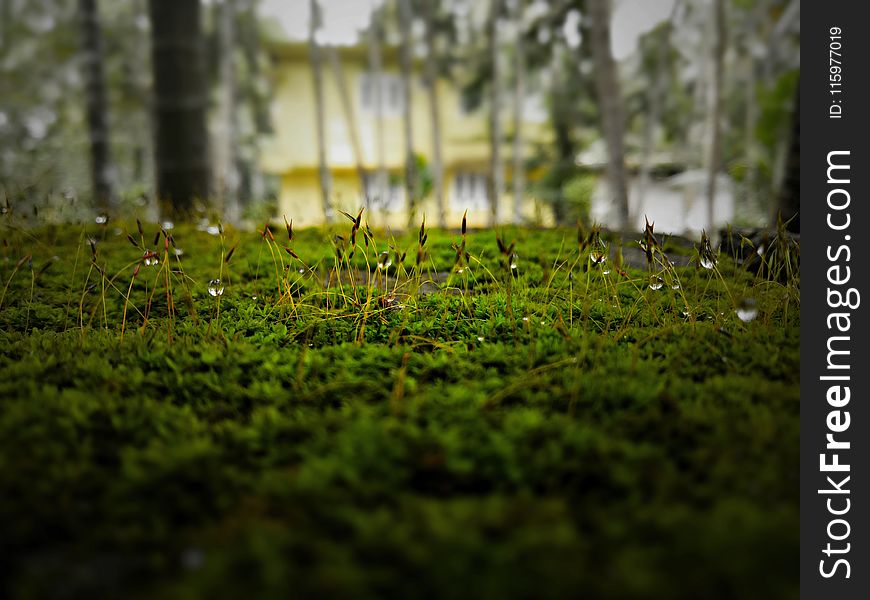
102, 179
349, 117
714, 128
434, 114
375, 68
251, 185
789, 201
519, 167
407, 109
751, 115
314, 52
656, 95
226, 154
610, 105
496, 175
181, 99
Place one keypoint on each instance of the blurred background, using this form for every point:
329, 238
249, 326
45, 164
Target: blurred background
517, 111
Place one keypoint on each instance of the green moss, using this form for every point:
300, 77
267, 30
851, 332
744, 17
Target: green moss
508, 436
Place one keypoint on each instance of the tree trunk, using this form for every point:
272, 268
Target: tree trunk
407, 109
320, 118
714, 128
181, 99
610, 105
102, 179
519, 167
434, 115
226, 154
496, 176
349, 117
751, 116
790, 193
375, 68
656, 95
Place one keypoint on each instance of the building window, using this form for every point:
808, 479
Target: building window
469, 191
392, 200
390, 87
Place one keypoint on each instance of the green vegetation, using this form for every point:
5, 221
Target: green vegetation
546, 431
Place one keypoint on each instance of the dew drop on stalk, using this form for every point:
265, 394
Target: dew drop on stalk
747, 310
514, 261
167, 225
215, 287
178, 251
384, 260
675, 286
101, 219
480, 338
213, 230
656, 282
150, 258
708, 262
301, 271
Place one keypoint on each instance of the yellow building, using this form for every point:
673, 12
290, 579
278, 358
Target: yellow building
291, 152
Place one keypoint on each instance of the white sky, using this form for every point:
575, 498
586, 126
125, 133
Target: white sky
344, 18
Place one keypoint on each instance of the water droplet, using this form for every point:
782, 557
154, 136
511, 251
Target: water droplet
747, 310
656, 282
215, 287
760, 250
150, 258
675, 286
708, 262
178, 252
101, 219
605, 272
384, 261
167, 225
598, 258
526, 319
461, 270
213, 230
480, 338
301, 271
514, 258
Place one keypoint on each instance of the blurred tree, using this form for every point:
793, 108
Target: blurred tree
656, 92
496, 169
226, 159
610, 104
181, 99
429, 9
714, 111
789, 200
405, 59
519, 161
349, 118
375, 59
102, 175
314, 25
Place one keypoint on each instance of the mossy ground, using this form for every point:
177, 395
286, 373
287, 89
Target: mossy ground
514, 436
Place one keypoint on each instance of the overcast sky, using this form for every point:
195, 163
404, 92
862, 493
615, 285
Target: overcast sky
344, 18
